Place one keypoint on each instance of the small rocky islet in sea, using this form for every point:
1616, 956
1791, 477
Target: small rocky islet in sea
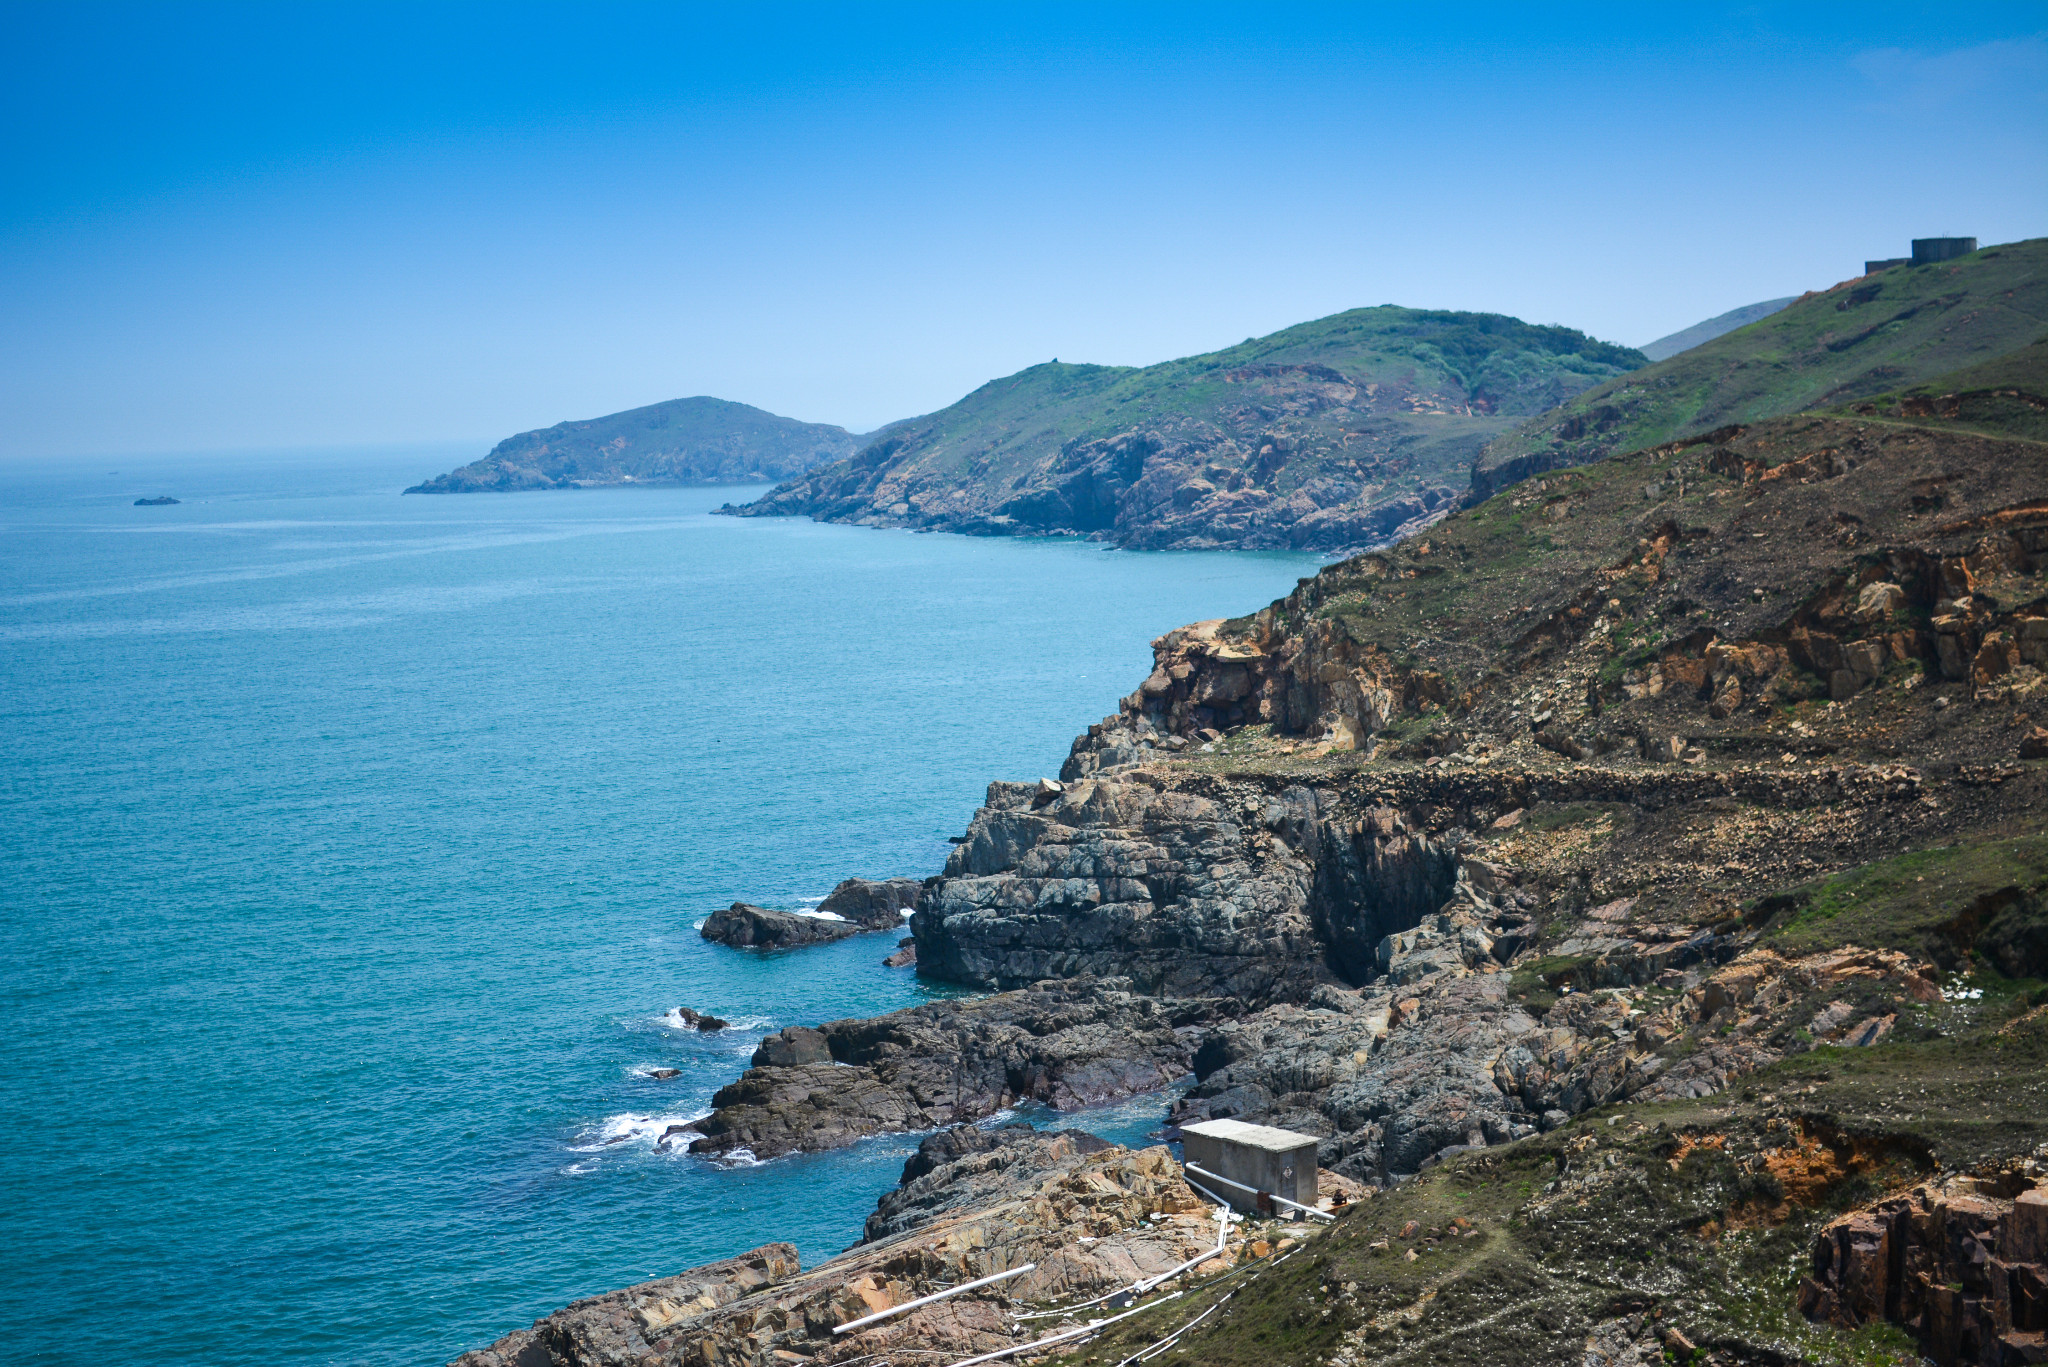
857, 906
164, 501
1634, 883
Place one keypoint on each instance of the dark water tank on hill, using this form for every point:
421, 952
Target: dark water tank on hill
1926, 249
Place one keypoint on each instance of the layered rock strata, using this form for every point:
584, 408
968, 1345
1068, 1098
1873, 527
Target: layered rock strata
1186, 887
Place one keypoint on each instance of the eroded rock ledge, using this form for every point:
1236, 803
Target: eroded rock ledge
1063, 1044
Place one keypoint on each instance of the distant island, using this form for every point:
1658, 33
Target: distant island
163, 502
698, 440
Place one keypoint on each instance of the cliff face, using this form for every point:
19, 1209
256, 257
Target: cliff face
1337, 433
684, 441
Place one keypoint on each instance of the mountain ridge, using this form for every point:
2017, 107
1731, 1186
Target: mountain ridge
1335, 432
1685, 339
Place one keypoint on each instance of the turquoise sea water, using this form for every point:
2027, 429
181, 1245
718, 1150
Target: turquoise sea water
355, 848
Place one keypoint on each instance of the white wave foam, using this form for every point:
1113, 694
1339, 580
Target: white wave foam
673, 1020
641, 1132
737, 1158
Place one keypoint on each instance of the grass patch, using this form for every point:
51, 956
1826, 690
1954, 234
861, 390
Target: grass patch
1936, 904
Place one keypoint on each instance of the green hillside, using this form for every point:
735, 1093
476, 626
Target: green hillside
2007, 397
1314, 436
1864, 337
684, 441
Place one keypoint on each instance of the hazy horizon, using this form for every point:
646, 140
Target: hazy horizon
324, 228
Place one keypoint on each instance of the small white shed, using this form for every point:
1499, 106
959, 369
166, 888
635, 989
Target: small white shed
1252, 1159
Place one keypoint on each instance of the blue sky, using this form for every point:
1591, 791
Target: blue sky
277, 225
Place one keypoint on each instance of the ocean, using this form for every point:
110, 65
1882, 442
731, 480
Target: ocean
356, 847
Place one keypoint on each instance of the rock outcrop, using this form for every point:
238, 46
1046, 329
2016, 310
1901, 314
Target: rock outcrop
1962, 1266
873, 904
745, 926
968, 1166
1091, 1221
1067, 1045
1186, 887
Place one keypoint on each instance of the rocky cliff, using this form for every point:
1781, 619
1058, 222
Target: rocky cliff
1624, 880
1336, 433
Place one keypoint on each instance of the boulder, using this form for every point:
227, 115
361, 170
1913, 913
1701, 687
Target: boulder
697, 1020
745, 926
873, 904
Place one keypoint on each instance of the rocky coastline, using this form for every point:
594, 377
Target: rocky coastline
1689, 790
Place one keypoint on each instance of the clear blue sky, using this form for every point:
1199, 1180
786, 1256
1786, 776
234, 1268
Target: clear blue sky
272, 225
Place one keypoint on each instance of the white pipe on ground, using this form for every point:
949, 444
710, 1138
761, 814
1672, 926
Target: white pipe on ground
1222, 1238
1082, 1332
1276, 1200
879, 1315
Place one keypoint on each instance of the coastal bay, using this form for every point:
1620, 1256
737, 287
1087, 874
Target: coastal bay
373, 836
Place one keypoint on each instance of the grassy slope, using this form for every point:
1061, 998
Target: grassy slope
1477, 372
682, 441
1863, 337
2003, 397
1460, 599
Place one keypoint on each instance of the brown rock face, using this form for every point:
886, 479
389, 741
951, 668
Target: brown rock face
1963, 1267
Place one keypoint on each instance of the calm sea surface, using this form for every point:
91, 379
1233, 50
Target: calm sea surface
355, 848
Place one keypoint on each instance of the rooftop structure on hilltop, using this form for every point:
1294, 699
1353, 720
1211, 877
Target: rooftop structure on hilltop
1925, 250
